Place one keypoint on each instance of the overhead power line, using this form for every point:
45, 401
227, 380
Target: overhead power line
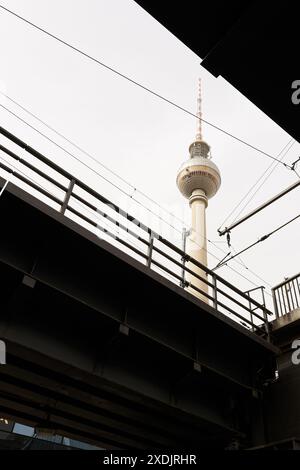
94, 159
134, 82
230, 267
261, 239
260, 208
128, 195
86, 165
213, 243
273, 164
263, 182
153, 93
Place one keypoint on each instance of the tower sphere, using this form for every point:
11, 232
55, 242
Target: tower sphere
198, 172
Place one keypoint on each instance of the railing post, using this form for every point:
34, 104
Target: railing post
67, 196
150, 250
263, 295
252, 322
266, 324
275, 303
287, 297
183, 260
215, 292
295, 294
250, 308
2, 189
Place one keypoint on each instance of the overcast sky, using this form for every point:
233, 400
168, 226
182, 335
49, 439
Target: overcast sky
138, 136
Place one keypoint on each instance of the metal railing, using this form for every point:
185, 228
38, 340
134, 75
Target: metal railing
155, 251
261, 289
286, 296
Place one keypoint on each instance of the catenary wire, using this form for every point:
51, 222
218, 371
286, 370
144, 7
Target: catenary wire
134, 82
138, 84
262, 183
284, 151
87, 166
134, 188
262, 239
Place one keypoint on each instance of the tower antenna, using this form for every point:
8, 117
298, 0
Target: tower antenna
199, 113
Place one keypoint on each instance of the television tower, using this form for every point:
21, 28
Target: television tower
198, 179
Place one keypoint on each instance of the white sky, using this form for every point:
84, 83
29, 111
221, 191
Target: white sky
137, 135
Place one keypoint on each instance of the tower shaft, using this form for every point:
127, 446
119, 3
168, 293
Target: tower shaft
197, 243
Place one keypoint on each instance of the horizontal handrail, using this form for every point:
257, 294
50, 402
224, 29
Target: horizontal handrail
35, 153
30, 183
286, 281
286, 295
33, 168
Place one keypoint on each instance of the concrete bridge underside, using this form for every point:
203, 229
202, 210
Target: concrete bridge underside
103, 349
